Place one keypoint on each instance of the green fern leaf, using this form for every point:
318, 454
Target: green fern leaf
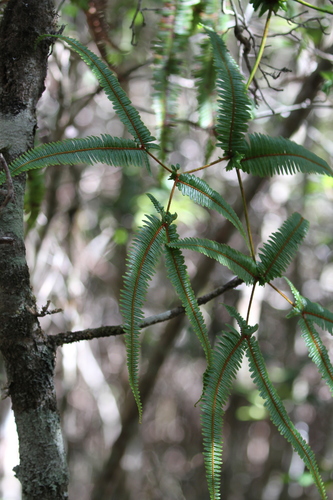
226, 362
145, 252
317, 351
103, 149
234, 104
318, 314
245, 328
279, 414
200, 192
281, 247
121, 103
310, 311
242, 265
178, 276
267, 156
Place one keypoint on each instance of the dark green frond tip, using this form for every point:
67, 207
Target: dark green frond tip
157, 205
281, 248
267, 156
264, 5
120, 101
246, 329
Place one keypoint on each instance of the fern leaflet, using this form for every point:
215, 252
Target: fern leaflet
200, 192
178, 276
143, 257
267, 156
279, 414
281, 247
234, 104
317, 351
227, 358
240, 264
121, 103
103, 149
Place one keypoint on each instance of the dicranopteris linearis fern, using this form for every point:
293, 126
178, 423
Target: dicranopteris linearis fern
255, 154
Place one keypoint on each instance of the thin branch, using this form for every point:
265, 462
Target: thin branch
109, 331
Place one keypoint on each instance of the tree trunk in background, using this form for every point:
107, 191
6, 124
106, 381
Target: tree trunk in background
29, 361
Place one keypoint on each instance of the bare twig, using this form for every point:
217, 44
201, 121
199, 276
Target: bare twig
110, 331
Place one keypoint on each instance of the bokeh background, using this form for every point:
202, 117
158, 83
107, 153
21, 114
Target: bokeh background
77, 255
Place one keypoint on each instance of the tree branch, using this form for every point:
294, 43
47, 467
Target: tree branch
109, 331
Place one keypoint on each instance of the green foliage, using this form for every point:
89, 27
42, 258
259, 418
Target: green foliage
240, 264
267, 156
234, 103
282, 247
200, 192
142, 260
263, 156
279, 414
227, 359
90, 150
178, 276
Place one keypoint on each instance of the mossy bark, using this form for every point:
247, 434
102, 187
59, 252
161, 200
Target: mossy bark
29, 360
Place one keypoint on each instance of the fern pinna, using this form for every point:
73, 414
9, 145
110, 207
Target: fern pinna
260, 155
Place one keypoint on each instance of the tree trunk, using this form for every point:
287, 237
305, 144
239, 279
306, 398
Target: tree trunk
29, 360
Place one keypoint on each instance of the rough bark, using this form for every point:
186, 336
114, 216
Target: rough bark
29, 360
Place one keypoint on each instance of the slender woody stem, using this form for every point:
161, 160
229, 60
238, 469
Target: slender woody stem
158, 161
171, 195
282, 295
250, 303
320, 9
208, 165
246, 214
261, 50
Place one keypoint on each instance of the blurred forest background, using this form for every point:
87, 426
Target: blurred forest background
77, 256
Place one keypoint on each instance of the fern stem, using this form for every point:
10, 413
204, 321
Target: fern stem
225, 158
171, 195
246, 214
250, 303
158, 161
320, 9
261, 50
282, 295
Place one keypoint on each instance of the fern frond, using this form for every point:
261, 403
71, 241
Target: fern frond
267, 156
234, 105
177, 273
90, 150
108, 81
227, 358
318, 314
245, 328
317, 351
310, 311
200, 192
279, 414
281, 247
242, 265
144, 254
